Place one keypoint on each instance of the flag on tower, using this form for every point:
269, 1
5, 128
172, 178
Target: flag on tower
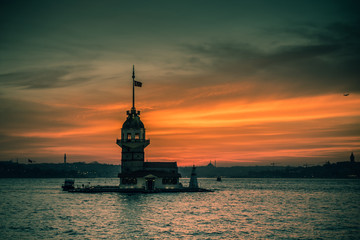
137, 84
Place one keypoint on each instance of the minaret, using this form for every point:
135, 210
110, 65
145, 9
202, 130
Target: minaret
132, 140
65, 158
352, 158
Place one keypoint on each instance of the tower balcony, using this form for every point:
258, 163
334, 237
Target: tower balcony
133, 143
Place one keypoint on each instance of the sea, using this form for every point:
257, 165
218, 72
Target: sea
238, 208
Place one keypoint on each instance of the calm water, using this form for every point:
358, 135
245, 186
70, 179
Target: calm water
238, 209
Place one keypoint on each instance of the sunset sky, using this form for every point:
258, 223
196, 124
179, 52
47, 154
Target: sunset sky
239, 82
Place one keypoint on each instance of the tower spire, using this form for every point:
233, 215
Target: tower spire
133, 100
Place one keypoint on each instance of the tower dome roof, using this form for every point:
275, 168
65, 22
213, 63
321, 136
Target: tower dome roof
133, 121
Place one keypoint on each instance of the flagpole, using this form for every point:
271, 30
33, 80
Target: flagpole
133, 77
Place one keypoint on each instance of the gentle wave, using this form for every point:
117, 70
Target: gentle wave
238, 209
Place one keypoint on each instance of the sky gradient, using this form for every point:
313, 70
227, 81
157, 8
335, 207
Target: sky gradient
239, 82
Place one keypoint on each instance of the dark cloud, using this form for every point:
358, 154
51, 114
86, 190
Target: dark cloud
18, 144
19, 116
43, 149
326, 62
29, 127
42, 78
341, 33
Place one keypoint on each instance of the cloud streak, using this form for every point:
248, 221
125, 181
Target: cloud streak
42, 78
240, 82
326, 62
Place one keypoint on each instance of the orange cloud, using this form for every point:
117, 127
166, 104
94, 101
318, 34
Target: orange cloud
238, 131
232, 130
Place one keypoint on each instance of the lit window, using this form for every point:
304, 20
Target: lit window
137, 136
169, 181
129, 181
129, 136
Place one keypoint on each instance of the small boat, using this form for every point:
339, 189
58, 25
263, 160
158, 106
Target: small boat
218, 179
68, 184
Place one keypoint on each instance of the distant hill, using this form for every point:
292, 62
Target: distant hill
49, 170
11, 169
336, 170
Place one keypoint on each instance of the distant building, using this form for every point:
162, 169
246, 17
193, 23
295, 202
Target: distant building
135, 172
352, 158
65, 158
210, 165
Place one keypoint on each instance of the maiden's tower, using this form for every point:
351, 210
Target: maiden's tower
137, 175
135, 172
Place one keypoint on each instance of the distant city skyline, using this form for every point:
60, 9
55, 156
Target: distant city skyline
242, 83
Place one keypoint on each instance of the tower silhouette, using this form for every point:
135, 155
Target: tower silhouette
132, 140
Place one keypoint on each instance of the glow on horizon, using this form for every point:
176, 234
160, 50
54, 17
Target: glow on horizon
255, 132
280, 130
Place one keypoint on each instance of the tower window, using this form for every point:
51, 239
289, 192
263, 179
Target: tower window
137, 136
129, 136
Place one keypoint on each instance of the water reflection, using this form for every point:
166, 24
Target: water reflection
240, 208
